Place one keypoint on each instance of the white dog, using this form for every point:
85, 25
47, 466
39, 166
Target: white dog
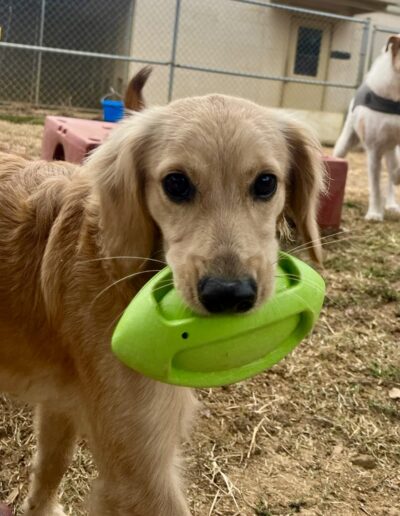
374, 120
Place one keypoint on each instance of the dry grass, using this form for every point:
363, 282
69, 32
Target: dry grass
318, 434
22, 139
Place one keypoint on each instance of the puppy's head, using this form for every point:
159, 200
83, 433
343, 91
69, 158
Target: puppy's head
212, 176
393, 45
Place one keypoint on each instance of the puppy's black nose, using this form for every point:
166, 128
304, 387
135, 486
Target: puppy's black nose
219, 295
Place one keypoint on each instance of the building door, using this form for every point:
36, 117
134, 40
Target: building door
308, 58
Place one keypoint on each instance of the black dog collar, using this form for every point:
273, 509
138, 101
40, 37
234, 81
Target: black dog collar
366, 97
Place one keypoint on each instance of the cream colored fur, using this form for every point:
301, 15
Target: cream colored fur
61, 227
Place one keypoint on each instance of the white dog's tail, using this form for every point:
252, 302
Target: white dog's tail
348, 137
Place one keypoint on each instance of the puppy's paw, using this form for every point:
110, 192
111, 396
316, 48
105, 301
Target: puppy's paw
58, 511
30, 509
374, 216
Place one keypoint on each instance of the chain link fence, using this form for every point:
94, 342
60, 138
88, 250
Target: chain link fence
30, 72
69, 54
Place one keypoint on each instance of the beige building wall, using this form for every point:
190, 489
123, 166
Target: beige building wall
232, 36
346, 37
252, 39
223, 35
152, 32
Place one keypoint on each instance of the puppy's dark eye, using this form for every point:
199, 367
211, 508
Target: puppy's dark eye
178, 187
264, 186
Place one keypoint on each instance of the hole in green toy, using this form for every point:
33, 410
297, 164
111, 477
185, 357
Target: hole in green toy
185, 335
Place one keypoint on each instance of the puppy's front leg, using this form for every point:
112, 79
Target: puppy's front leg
55, 440
135, 425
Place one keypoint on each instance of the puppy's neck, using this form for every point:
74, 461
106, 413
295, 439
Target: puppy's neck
383, 79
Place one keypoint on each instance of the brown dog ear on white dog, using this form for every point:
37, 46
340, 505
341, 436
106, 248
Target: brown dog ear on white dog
394, 44
133, 99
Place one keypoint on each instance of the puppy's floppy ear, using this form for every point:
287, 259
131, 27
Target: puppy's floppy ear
305, 183
118, 171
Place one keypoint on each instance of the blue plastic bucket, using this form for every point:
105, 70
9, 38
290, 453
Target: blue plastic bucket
113, 110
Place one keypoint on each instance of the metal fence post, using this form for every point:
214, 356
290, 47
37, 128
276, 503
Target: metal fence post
365, 51
372, 48
173, 52
129, 36
39, 65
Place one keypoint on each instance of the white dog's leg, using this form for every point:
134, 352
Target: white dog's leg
348, 137
56, 439
396, 169
375, 209
392, 167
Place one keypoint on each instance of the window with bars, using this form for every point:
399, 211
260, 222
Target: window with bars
308, 51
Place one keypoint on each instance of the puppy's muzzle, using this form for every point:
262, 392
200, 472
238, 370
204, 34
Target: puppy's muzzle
219, 295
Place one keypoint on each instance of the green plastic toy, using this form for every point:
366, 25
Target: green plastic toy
162, 338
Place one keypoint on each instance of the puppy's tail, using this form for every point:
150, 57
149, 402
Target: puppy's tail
348, 137
134, 100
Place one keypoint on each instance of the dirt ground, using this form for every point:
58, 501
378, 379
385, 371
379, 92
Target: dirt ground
319, 433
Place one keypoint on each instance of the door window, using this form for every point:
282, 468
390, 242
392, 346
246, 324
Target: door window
307, 51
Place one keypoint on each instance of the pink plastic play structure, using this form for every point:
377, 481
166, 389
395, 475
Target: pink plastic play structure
71, 139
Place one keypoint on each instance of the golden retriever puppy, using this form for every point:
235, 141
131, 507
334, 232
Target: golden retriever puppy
204, 182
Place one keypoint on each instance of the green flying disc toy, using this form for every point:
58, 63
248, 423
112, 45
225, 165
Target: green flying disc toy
160, 337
